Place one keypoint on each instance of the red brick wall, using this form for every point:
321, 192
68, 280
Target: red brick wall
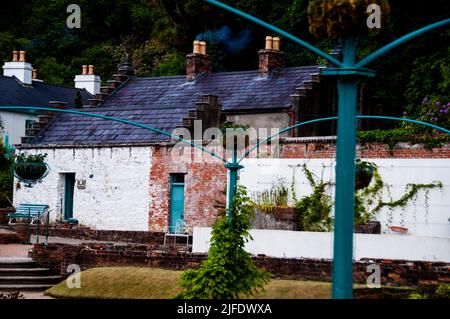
205, 181
393, 272
328, 150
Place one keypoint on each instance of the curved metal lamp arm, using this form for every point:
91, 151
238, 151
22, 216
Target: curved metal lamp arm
285, 34
400, 41
333, 118
116, 120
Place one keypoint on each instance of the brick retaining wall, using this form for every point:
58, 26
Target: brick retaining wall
85, 233
393, 272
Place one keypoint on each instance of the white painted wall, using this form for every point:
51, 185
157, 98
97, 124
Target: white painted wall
293, 244
14, 125
421, 219
89, 82
117, 186
21, 70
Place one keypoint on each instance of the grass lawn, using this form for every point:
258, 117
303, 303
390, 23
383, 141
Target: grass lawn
152, 283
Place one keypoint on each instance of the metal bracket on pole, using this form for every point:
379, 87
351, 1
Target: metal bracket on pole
348, 71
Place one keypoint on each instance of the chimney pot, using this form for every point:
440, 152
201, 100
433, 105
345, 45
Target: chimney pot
91, 70
35, 74
84, 69
15, 56
196, 47
21, 56
269, 43
203, 47
276, 43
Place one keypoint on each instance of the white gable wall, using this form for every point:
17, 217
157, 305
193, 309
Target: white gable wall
14, 125
116, 196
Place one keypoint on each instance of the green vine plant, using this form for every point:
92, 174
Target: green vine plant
369, 201
313, 211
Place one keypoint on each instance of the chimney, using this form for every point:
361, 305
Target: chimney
34, 76
88, 80
271, 59
198, 62
18, 68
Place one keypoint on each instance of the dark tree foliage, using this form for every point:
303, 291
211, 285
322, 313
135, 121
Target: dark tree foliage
157, 34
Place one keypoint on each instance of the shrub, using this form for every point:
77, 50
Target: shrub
229, 270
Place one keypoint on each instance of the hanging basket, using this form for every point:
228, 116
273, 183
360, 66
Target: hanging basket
30, 172
341, 18
364, 174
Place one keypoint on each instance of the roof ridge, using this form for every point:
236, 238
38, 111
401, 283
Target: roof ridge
59, 86
224, 73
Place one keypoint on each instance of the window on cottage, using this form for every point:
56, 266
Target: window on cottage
29, 124
177, 177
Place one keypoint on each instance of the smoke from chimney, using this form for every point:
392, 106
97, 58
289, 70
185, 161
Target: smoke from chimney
224, 37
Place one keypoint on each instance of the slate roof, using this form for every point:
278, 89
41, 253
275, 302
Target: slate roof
162, 102
14, 92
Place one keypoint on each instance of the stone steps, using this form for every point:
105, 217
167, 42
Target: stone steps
25, 287
23, 274
29, 280
24, 271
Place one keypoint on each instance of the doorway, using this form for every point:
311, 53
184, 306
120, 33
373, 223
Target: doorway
176, 200
69, 187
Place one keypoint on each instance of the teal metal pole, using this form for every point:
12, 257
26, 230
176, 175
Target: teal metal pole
233, 168
345, 180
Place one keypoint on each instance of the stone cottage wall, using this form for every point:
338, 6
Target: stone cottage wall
116, 190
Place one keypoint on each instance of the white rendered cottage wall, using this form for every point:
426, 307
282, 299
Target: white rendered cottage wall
14, 125
116, 195
432, 219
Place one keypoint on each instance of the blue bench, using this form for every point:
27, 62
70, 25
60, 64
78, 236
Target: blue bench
30, 212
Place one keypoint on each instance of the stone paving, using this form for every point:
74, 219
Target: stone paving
14, 250
73, 241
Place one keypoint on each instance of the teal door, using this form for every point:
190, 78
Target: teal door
69, 186
176, 199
